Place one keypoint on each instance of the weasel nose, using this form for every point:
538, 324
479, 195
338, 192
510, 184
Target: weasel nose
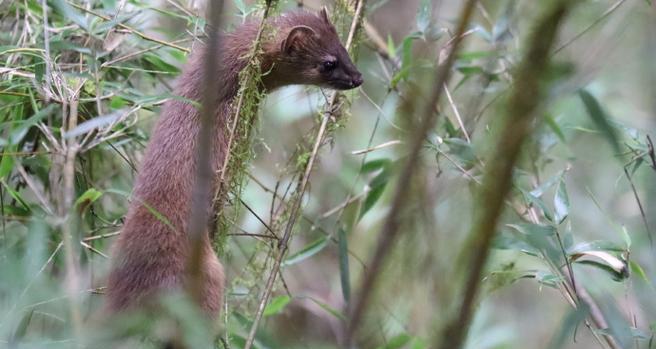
357, 80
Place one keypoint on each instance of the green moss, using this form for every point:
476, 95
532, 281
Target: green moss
240, 134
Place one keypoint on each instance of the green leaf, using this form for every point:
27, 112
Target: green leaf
307, 252
600, 245
606, 261
424, 15
536, 201
553, 125
89, 197
618, 326
473, 55
14, 194
626, 237
397, 342
377, 185
344, 273
332, 311
539, 191
391, 49
39, 69
418, 343
160, 64
18, 133
540, 237
569, 325
95, 123
600, 118
561, 203
117, 102
21, 330
372, 197
276, 305
6, 163
406, 46
373, 165
401, 75
462, 150
471, 70
636, 269
69, 12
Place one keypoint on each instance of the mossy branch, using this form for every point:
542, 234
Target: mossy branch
239, 149
306, 168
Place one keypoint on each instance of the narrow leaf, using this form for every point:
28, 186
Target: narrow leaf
88, 198
344, 273
307, 252
69, 12
276, 305
561, 203
600, 118
397, 342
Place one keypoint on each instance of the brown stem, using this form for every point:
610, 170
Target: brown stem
512, 129
200, 205
392, 222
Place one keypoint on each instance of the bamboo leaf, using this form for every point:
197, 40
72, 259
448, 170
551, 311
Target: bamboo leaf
69, 12
89, 197
397, 342
600, 118
561, 203
307, 252
344, 273
332, 311
276, 305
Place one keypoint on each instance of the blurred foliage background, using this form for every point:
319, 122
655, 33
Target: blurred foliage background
81, 84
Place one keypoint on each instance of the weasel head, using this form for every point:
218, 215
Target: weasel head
310, 53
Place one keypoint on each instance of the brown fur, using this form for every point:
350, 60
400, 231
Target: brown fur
150, 254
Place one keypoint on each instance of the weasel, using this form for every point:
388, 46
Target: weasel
150, 254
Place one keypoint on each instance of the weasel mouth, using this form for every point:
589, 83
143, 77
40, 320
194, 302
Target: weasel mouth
346, 84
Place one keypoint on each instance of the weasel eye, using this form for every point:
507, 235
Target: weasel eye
329, 65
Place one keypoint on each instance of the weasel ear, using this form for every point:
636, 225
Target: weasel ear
324, 14
296, 34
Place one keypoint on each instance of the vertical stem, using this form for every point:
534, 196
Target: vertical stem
391, 226
511, 130
68, 218
200, 197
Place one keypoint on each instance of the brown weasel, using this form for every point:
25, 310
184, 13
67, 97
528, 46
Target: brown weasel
151, 252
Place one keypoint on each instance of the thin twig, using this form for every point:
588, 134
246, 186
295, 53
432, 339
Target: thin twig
36, 190
46, 53
642, 210
378, 147
138, 53
132, 30
457, 114
345, 203
606, 13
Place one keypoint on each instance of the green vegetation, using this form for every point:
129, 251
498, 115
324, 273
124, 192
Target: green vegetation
490, 190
